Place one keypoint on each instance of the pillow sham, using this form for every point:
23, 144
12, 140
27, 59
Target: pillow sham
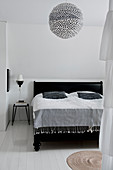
54, 95
89, 96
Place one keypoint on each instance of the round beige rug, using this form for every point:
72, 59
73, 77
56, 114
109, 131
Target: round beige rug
85, 160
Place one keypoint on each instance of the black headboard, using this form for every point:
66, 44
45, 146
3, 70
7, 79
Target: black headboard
40, 87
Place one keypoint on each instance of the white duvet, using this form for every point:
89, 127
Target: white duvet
71, 102
70, 111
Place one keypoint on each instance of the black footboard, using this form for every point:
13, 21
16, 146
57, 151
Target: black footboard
38, 138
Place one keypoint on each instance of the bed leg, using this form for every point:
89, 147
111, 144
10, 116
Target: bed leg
37, 146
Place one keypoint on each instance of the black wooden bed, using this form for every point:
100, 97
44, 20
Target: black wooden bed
40, 87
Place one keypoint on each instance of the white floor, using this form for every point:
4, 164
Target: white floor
17, 152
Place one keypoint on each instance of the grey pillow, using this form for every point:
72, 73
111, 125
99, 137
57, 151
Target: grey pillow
54, 95
89, 96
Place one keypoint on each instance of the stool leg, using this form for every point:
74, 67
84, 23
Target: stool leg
14, 113
13, 116
27, 113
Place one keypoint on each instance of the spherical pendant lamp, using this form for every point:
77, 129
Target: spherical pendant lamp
65, 20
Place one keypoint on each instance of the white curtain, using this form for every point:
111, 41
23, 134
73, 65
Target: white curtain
106, 130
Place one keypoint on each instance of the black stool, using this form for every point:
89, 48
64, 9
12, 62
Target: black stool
24, 105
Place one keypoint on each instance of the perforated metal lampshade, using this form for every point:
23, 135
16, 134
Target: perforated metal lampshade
65, 20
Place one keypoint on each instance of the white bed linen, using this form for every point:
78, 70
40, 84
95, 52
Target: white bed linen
72, 106
71, 102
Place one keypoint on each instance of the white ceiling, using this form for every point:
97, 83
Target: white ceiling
37, 11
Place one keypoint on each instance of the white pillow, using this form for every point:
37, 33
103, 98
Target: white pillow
72, 94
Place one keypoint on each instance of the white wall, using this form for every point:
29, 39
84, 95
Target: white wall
37, 53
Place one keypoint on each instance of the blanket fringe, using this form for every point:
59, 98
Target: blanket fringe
60, 130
